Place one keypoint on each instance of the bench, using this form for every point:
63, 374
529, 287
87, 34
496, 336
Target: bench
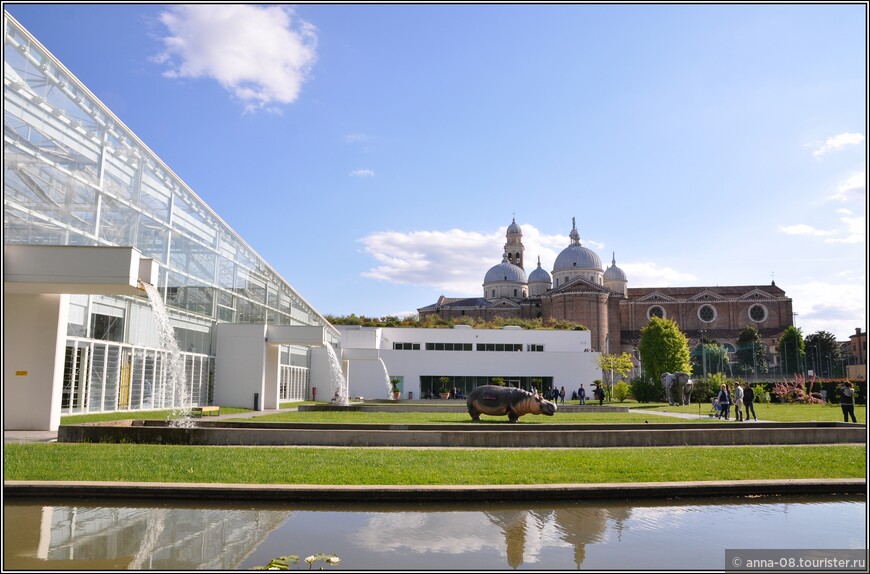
206, 410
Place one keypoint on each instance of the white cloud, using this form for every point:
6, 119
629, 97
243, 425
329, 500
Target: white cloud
835, 308
803, 229
356, 138
838, 142
456, 261
261, 54
362, 173
853, 228
855, 184
646, 274
453, 260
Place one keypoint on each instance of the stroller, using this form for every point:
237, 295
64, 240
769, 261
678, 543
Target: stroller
716, 410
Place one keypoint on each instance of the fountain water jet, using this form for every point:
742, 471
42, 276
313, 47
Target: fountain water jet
175, 378
386, 377
338, 384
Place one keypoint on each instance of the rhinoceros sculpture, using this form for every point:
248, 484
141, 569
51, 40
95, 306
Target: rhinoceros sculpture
495, 401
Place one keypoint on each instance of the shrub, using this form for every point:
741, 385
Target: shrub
621, 390
645, 391
706, 388
795, 391
761, 394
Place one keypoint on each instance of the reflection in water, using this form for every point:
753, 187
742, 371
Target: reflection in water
134, 538
614, 535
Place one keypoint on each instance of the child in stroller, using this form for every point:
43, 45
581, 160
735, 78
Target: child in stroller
716, 410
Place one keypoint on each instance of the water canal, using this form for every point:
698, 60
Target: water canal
677, 534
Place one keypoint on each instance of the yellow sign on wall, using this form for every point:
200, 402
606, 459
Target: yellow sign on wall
20, 373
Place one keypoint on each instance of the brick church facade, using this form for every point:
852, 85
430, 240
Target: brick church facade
580, 290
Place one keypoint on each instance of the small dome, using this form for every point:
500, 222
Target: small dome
539, 275
513, 228
505, 272
614, 273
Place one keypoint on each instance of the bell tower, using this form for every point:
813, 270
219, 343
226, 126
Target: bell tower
513, 248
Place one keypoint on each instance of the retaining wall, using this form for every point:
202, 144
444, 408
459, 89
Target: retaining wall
470, 435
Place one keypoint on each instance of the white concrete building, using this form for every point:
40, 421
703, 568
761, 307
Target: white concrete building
421, 358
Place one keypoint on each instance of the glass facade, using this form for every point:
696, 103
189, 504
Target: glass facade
75, 175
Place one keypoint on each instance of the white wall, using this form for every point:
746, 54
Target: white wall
567, 357
369, 380
240, 362
34, 343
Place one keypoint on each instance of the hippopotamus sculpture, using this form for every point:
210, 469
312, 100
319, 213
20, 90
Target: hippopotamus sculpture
513, 402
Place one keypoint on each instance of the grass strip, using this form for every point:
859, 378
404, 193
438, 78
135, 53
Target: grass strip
409, 466
643, 412
780, 412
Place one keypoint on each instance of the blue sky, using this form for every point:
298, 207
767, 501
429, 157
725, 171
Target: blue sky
375, 154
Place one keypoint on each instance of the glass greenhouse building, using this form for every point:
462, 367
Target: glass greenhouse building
75, 175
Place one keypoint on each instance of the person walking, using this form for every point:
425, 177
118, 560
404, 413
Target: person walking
749, 400
724, 402
582, 395
847, 402
738, 402
562, 395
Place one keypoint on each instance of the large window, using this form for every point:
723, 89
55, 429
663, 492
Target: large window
707, 313
406, 346
448, 346
499, 347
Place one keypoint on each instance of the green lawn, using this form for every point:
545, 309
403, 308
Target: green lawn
785, 412
404, 466
410, 466
767, 412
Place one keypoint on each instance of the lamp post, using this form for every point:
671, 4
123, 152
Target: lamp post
754, 364
703, 354
639, 366
797, 357
784, 358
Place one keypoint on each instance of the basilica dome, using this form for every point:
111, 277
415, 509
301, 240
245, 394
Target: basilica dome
539, 281
576, 261
576, 257
614, 273
505, 280
539, 275
505, 272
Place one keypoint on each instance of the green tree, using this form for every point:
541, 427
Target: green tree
751, 352
824, 354
717, 357
616, 366
663, 348
791, 350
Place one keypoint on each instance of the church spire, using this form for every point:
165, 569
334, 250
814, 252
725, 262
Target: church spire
575, 235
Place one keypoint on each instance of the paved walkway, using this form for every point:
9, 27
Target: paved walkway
691, 416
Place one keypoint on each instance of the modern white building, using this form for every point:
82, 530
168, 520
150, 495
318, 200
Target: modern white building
467, 357
91, 218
